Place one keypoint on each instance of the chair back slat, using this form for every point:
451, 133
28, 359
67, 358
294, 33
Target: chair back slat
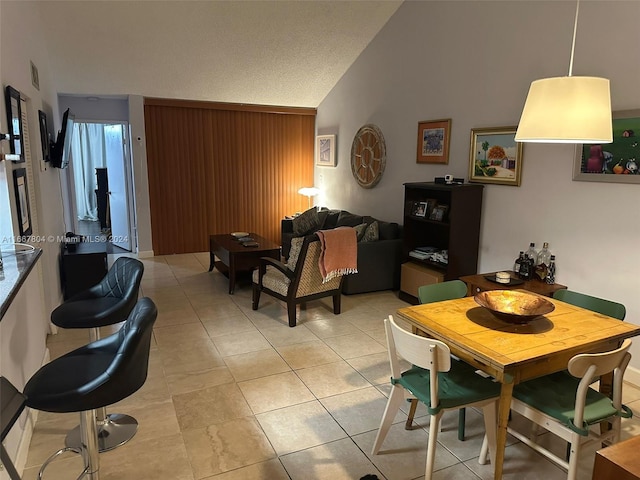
416, 349
438, 292
595, 304
604, 362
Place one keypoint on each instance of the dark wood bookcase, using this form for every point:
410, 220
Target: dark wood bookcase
458, 230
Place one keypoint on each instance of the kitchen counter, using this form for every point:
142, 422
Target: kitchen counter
16, 267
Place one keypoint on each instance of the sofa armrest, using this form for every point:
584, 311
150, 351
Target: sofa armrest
378, 267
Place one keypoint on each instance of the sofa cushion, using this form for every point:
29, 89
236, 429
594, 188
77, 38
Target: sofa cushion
360, 229
307, 222
331, 219
371, 233
346, 219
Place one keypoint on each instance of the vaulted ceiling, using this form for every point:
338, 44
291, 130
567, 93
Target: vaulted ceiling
257, 52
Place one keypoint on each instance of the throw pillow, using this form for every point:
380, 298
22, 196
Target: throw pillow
307, 222
371, 233
360, 229
294, 253
346, 219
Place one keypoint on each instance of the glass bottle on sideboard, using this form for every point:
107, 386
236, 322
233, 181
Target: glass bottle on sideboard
551, 271
542, 263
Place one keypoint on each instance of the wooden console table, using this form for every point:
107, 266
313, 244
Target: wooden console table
478, 283
235, 257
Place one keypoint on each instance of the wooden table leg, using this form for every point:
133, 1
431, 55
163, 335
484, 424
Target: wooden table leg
504, 406
232, 273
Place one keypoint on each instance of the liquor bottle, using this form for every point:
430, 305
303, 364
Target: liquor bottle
532, 253
525, 268
518, 262
551, 271
542, 263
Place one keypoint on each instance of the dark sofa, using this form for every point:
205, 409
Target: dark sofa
378, 260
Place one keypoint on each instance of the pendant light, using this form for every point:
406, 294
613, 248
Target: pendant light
567, 109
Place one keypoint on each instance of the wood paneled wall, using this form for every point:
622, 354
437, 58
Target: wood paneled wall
216, 168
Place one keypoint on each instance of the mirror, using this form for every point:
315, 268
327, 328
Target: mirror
14, 119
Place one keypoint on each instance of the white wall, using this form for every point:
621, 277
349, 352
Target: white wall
25, 324
22, 43
473, 62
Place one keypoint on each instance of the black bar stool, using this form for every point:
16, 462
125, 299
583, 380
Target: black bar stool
107, 303
12, 402
91, 377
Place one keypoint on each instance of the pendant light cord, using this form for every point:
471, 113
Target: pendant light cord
573, 43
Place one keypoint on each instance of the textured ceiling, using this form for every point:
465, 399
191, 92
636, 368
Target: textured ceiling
264, 52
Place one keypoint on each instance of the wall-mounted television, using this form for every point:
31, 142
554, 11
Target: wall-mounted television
61, 149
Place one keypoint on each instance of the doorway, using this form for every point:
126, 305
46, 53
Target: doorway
102, 179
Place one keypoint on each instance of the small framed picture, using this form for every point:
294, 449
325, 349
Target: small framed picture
326, 150
439, 213
495, 156
419, 209
433, 141
22, 201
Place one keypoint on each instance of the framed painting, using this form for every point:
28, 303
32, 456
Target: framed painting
14, 120
495, 156
326, 150
433, 141
22, 201
615, 162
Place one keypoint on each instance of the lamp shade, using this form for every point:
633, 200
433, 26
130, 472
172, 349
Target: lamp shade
567, 110
309, 191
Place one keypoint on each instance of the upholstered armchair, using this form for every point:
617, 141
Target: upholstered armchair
297, 282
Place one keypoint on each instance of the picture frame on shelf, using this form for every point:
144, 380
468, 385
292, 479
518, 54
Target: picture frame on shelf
616, 162
419, 209
326, 150
433, 141
22, 201
495, 156
439, 213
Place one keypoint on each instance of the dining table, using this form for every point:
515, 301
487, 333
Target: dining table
513, 353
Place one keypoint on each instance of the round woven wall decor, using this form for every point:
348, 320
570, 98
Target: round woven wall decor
368, 156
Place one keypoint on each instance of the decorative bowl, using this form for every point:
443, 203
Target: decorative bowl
512, 306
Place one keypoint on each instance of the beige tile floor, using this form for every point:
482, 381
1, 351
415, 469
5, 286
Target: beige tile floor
235, 394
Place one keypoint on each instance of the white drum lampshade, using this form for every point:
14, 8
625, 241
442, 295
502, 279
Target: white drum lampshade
567, 110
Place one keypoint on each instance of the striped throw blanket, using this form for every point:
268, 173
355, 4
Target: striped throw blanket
339, 252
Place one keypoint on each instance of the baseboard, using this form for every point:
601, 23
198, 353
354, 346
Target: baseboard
632, 376
146, 254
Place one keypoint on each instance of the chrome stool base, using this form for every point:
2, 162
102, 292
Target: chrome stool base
115, 430
87, 448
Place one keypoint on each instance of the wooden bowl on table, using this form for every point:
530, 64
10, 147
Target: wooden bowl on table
512, 306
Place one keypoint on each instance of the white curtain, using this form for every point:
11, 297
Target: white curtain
88, 147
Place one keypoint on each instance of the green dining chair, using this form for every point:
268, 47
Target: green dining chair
564, 404
438, 292
438, 380
595, 304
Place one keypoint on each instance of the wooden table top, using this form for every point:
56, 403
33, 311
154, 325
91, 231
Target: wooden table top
523, 351
232, 245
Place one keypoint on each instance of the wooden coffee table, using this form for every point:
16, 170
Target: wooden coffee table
234, 257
